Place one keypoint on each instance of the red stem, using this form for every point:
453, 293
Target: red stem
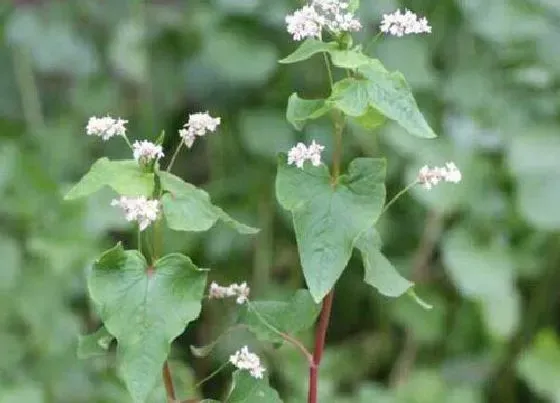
168, 382
319, 346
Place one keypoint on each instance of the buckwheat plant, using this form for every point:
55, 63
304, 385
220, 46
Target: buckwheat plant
146, 300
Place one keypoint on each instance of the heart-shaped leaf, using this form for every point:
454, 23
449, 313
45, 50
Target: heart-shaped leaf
308, 48
246, 389
145, 308
300, 110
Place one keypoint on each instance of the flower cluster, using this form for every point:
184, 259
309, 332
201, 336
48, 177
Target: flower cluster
244, 359
241, 292
430, 177
399, 24
106, 127
310, 20
145, 151
198, 125
138, 209
301, 153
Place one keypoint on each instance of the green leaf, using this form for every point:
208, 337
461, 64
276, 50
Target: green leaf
307, 49
94, 344
188, 208
329, 218
539, 366
125, 177
372, 119
145, 308
246, 389
349, 59
387, 92
378, 271
300, 110
291, 317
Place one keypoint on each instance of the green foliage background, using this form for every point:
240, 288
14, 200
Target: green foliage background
484, 253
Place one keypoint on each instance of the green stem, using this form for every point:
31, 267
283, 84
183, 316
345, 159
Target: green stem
329, 70
127, 141
139, 240
212, 375
398, 195
175, 155
374, 39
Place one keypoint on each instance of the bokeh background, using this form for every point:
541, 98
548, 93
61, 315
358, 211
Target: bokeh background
485, 253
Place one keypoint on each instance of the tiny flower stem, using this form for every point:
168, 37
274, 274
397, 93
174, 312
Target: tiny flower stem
175, 156
139, 240
127, 141
212, 375
296, 343
398, 195
372, 42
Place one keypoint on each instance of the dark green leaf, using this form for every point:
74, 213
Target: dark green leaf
329, 218
124, 177
307, 49
188, 208
246, 389
300, 110
145, 308
94, 344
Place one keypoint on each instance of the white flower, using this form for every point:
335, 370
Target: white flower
245, 360
138, 209
309, 21
145, 151
241, 292
198, 125
106, 127
301, 153
430, 177
399, 24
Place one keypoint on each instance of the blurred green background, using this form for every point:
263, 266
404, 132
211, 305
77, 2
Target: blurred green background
485, 253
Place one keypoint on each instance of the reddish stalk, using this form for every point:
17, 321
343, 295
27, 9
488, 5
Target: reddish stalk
320, 336
168, 382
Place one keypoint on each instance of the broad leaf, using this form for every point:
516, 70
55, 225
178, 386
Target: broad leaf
307, 49
329, 218
378, 271
300, 110
125, 177
387, 92
94, 344
188, 208
348, 59
291, 317
372, 119
246, 389
145, 308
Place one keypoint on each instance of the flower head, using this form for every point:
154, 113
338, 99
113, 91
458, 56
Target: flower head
199, 124
245, 360
399, 24
430, 177
145, 151
138, 209
310, 20
301, 153
240, 291
106, 127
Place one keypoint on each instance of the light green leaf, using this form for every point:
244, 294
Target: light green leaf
291, 317
188, 208
307, 49
246, 389
300, 110
378, 271
124, 177
145, 308
387, 92
539, 366
372, 119
348, 59
329, 218
94, 344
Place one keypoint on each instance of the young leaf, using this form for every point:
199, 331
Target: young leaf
307, 49
188, 208
125, 177
291, 317
300, 110
94, 344
348, 59
329, 218
246, 389
371, 119
387, 92
378, 271
145, 308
